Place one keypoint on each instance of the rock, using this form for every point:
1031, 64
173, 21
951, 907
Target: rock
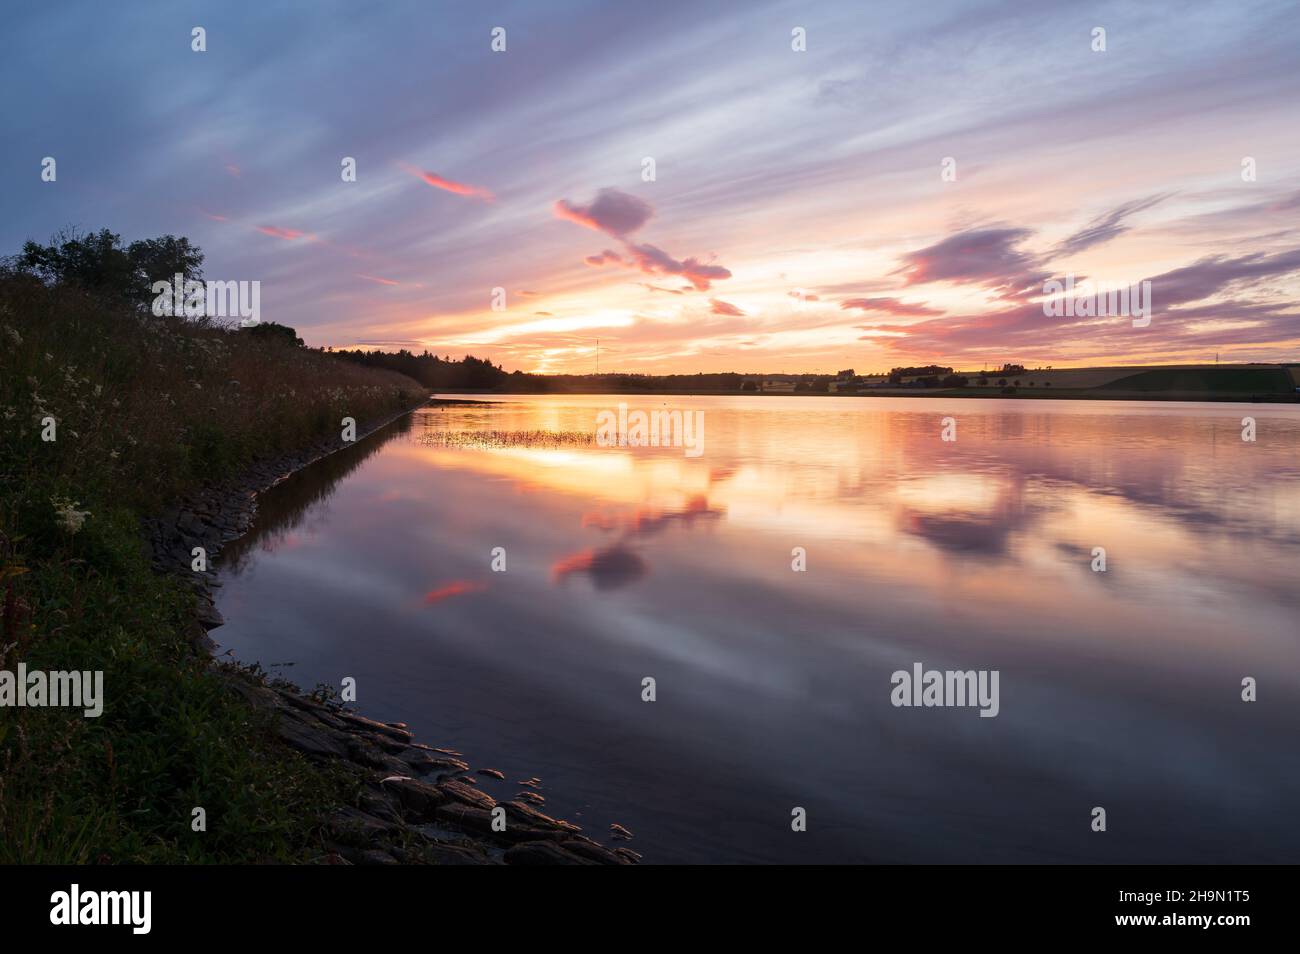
459, 792
542, 853
618, 831
531, 817
308, 738
420, 799
259, 697
365, 752
361, 722
207, 615
444, 853
353, 823
492, 773
465, 816
424, 763
531, 797
586, 848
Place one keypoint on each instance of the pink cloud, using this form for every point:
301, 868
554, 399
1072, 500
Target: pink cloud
618, 214
607, 257
719, 307
655, 261
450, 185
455, 588
989, 257
287, 234
890, 306
612, 212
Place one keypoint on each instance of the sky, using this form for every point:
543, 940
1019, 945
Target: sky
897, 192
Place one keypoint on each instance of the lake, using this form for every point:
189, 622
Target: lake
1119, 689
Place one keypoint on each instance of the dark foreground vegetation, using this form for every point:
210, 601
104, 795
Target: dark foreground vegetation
141, 410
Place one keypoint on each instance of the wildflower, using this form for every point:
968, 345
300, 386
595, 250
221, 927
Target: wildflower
48, 356
69, 517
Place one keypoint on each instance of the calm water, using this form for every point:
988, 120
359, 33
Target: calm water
1119, 689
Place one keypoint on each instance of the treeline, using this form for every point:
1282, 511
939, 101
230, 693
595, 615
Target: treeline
443, 374
477, 374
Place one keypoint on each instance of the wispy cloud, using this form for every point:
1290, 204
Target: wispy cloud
449, 185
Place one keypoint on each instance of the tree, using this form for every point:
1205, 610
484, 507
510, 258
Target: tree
274, 332
99, 263
162, 259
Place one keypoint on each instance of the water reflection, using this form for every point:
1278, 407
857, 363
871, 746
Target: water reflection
302, 497
1119, 688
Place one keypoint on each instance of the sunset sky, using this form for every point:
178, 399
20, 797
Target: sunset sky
798, 220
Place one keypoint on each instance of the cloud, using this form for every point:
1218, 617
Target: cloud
454, 588
379, 281
613, 212
619, 214
719, 307
450, 185
890, 306
655, 261
989, 257
1216, 273
608, 568
1026, 333
287, 234
1106, 227
607, 257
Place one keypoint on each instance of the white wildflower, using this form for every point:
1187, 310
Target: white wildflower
69, 517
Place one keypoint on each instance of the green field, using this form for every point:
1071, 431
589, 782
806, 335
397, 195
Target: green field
1233, 380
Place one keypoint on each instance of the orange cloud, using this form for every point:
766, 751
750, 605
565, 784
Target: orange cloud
287, 234
455, 588
450, 185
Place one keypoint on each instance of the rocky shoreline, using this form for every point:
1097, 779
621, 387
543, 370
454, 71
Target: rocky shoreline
417, 804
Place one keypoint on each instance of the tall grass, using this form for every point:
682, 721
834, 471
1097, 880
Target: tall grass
145, 410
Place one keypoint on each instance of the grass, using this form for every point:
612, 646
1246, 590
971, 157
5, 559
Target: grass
145, 410
1207, 380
